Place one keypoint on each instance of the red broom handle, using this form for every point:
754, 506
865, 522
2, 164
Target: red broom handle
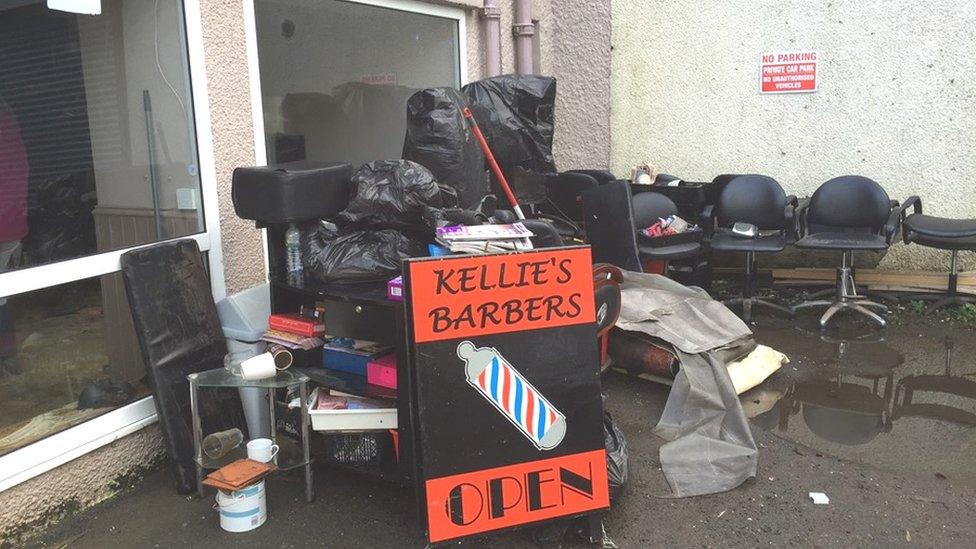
493, 163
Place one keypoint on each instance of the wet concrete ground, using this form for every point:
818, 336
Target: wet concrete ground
881, 421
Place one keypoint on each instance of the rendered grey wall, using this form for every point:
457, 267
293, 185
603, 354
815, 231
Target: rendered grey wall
897, 98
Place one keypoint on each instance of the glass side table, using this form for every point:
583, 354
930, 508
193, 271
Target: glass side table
289, 456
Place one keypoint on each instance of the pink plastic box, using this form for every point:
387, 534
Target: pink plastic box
382, 371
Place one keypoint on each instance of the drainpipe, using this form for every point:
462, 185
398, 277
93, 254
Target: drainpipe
523, 29
491, 16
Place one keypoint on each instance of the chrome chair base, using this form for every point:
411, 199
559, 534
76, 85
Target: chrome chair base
846, 298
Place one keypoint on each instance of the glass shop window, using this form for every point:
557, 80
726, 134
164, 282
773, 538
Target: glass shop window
97, 153
335, 76
97, 144
65, 357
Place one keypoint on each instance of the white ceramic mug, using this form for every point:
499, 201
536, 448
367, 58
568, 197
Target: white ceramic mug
262, 449
258, 367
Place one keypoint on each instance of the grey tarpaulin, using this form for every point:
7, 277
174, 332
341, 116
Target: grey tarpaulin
710, 446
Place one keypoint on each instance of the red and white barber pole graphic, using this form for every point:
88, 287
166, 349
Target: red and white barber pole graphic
788, 72
521, 403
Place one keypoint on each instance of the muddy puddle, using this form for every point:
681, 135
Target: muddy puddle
902, 398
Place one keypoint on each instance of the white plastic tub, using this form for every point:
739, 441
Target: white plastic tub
243, 510
339, 421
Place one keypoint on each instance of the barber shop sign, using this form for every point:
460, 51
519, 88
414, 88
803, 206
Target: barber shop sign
508, 389
788, 72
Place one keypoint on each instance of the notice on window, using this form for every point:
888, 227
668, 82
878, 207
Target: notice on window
789, 72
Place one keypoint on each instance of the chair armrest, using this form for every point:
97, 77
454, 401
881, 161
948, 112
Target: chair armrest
789, 217
913, 202
607, 272
800, 219
706, 220
897, 216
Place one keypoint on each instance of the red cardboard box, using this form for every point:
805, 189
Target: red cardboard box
382, 371
296, 324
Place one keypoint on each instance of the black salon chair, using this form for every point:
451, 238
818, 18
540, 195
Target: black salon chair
648, 208
760, 201
944, 234
847, 214
602, 177
562, 206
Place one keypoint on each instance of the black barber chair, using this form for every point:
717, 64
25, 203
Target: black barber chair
760, 201
944, 234
847, 214
563, 205
648, 208
606, 285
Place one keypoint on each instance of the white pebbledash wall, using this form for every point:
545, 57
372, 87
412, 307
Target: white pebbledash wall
897, 97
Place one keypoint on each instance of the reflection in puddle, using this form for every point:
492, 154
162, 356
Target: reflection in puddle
945, 384
896, 399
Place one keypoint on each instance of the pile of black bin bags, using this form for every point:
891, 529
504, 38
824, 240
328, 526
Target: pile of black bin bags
397, 204
383, 224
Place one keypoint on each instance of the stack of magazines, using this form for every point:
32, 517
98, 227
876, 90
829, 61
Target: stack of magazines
481, 239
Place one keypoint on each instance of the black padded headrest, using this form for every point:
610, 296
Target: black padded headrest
292, 192
649, 207
850, 201
755, 199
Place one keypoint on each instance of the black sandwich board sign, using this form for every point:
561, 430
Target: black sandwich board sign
507, 385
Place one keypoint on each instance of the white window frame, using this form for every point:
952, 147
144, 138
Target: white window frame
60, 448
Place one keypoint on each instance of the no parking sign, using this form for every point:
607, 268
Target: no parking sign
788, 72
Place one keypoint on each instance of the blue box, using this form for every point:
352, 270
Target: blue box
352, 356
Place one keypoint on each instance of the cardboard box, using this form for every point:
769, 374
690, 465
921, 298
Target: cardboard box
296, 324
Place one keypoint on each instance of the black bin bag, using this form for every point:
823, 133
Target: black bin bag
617, 457
439, 139
390, 194
516, 112
361, 256
179, 333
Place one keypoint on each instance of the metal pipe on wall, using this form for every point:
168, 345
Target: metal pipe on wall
523, 29
491, 16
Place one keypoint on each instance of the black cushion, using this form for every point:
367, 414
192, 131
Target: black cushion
610, 225
179, 333
843, 241
940, 227
669, 253
650, 206
724, 240
755, 199
292, 192
850, 201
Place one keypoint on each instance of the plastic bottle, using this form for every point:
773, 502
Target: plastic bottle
293, 250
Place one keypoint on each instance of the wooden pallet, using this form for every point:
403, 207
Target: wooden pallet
910, 281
